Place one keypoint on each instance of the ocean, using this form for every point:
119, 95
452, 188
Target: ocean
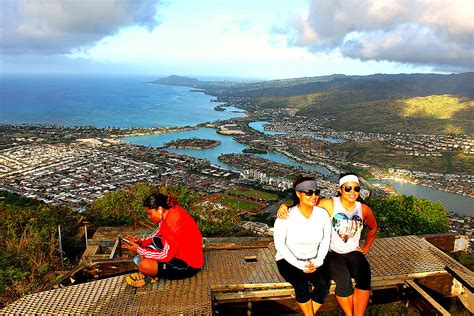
129, 101
102, 101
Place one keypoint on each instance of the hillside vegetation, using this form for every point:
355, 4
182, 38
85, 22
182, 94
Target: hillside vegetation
434, 114
414, 103
436, 106
299, 101
29, 244
385, 156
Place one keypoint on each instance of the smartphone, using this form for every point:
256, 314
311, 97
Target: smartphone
124, 240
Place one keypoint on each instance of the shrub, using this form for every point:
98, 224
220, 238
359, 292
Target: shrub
399, 215
29, 245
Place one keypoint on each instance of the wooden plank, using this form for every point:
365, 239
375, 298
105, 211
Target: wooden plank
250, 286
444, 242
441, 284
91, 251
252, 258
229, 246
467, 299
114, 248
440, 309
253, 295
457, 275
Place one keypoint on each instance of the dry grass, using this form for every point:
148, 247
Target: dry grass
441, 107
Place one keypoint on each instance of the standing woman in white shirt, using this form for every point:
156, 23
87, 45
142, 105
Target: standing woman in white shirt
302, 242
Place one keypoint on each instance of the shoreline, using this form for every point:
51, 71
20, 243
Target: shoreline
163, 130
422, 184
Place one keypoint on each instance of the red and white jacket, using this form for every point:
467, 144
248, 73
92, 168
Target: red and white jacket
181, 238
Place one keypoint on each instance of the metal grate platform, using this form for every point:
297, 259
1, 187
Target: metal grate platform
410, 256
227, 270
113, 296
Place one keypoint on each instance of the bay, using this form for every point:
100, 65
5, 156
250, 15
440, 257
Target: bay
454, 202
102, 101
129, 101
228, 146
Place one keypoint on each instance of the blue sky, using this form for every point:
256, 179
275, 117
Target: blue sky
265, 39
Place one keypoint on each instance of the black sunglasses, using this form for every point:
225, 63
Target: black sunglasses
311, 192
349, 189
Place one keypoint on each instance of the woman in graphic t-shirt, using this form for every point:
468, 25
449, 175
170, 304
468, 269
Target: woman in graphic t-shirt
346, 258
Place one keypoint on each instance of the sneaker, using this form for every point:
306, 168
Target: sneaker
135, 279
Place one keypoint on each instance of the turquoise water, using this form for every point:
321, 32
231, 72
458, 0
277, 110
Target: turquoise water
258, 126
228, 146
102, 101
128, 101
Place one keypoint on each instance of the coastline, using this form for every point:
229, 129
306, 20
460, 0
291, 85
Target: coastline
328, 166
417, 182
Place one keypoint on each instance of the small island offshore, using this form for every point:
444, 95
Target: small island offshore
193, 143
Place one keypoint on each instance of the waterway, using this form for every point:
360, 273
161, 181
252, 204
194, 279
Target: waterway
454, 202
228, 146
258, 126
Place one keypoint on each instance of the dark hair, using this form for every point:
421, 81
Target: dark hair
298, 179
155, 200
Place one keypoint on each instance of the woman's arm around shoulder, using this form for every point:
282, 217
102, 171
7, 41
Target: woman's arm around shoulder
283, 211
328, 205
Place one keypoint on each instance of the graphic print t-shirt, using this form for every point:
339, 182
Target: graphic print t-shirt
346, 227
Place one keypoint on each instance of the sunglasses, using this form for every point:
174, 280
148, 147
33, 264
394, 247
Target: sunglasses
311, 192
349, 188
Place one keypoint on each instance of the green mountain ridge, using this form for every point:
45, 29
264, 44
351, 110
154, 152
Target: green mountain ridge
392, 85
374, 103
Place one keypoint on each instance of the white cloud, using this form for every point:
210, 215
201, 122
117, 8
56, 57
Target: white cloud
57, 26
436, 33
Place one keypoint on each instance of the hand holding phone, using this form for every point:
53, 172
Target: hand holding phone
128, 244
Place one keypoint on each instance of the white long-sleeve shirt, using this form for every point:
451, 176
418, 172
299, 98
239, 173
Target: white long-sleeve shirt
298, 238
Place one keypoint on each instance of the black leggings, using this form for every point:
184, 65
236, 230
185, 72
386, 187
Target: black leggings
300, 282
343, 267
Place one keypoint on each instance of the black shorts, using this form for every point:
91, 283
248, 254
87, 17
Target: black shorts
301, 282
175, 269
343, 267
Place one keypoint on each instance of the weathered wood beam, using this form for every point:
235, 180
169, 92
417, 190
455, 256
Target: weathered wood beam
444, 241
467, 299
91, 251
253, 295
437, 308
230, 246
251, 286
456, 274
115, 247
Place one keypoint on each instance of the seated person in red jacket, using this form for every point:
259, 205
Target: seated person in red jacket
174, 250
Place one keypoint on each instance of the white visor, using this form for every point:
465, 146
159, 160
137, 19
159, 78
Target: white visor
348, 178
